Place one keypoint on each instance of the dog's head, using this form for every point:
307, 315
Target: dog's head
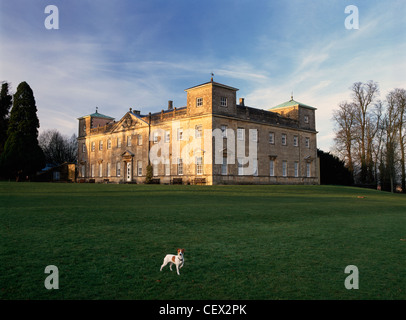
181, 251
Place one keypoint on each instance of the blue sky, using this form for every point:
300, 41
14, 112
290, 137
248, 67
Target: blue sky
120, 54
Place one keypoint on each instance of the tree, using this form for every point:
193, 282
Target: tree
400, 105
149, 175
345, 118
58, 148
333, 170
357, 123
388, 157
22, 155
364, 95
6, 101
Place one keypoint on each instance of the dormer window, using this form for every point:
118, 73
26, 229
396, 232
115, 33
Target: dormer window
306, 119
199, 102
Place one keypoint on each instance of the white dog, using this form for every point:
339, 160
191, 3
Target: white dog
172, 259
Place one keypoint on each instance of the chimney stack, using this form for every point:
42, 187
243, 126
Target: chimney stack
170, 105
242, 102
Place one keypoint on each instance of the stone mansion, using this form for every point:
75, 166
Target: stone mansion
212, 140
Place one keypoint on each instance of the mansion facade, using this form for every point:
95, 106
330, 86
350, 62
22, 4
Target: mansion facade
212, 140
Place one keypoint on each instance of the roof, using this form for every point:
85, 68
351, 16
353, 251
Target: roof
292, 103
97, 115
215, 84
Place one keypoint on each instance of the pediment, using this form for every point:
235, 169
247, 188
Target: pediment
127, 155
227, 152
129, 121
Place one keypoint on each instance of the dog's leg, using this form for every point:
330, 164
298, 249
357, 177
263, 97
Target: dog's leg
164, 263
170, 266
177, 269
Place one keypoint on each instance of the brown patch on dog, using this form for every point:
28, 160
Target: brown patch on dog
173, 258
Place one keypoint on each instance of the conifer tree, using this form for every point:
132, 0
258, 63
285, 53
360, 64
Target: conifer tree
22, 155
5, 105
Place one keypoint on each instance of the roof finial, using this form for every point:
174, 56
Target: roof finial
212, 75
97, 108
291, 96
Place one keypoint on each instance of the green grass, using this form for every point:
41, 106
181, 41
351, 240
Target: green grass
241, 242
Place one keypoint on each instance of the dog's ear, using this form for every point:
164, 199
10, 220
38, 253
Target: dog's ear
183, 250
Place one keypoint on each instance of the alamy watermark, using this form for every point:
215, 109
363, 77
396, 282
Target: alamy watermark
224, 146
52, 281
52, 20
352, 20
352, 281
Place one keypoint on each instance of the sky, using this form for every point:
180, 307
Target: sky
121, 54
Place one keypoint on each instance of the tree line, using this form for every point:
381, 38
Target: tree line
370, 136
23, 152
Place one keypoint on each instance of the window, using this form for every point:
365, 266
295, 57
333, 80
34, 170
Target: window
167, 168
118, 169
295, 141
271, 138
199, 102
198, 131
254, 135
139, 140
92, 170
180, 167
240, 134
296, 169
118, 142
83, 147
100, 170
155, 135
255, 167
223, 101
224, 166
109, 144
108, 170
272, 168
83, 171
224, 131
56, 175
306, 119
129, 141
199, 165
93, 146
167, 136
155, 168
101, 145
307, 142
284, 168
284, 139
139, 168
308, 171
180, 134
240, 167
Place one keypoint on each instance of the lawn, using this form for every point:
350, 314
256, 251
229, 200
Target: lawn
241, 242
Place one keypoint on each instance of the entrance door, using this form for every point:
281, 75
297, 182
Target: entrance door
128, 171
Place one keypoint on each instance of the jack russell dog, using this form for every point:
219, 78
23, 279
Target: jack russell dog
172, 259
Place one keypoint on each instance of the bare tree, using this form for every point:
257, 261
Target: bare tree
364, 95
397, 105
58, 148
344, 118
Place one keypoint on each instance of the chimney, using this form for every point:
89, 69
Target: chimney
242, 102
170, 105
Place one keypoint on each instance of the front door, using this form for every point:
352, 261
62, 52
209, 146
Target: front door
128, 171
